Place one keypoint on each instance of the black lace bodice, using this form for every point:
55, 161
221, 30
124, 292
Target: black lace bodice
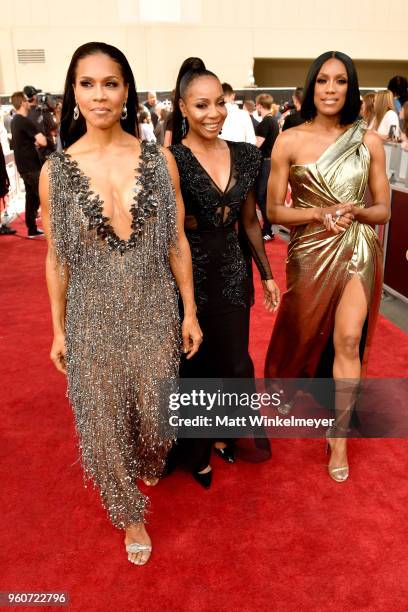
221, 278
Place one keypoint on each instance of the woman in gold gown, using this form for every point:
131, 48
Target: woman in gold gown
334, 266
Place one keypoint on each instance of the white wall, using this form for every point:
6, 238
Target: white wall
227, 34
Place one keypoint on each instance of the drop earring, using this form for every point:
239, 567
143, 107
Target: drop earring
76, 112
124, 112
184, 127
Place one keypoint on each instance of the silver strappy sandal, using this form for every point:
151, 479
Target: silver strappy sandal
135, 547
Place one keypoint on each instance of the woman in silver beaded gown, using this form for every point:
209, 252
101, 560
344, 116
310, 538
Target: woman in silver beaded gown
111, 265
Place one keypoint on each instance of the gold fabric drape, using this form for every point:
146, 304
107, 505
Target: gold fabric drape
319, 263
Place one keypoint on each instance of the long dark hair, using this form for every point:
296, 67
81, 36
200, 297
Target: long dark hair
191, 68
351, 109
71, 130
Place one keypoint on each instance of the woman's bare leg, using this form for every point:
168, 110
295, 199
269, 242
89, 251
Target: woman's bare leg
350, 316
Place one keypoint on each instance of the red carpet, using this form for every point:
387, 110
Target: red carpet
277, 536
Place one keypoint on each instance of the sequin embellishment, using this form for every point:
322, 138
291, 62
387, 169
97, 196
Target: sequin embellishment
122, 327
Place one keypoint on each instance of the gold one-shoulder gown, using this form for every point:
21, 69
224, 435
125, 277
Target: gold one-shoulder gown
319, 263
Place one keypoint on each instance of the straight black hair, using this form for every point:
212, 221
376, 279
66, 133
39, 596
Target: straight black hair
351, 109
71, 130
191, 68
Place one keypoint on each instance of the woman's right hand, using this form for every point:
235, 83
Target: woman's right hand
192, 335
58, 352
337, 218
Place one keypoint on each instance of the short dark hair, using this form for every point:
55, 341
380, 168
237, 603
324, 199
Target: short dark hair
72, 130
399, 87
351, 109
227, 89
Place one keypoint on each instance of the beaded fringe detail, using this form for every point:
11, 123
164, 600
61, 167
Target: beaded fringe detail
122, 327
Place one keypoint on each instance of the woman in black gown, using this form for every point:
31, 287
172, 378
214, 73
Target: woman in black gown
217, 179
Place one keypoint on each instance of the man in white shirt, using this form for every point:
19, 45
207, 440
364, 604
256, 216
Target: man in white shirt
238, 125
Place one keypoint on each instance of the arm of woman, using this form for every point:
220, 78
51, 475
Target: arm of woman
250, 224
380, 211
281, 161
182, 268
57, 279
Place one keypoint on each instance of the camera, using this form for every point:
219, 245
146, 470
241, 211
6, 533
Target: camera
45, 102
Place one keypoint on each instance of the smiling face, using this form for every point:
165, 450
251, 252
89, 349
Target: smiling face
100, 90
204, 107
331, 87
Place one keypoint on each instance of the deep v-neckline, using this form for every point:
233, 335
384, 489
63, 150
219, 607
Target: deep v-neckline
92, 204
218, 188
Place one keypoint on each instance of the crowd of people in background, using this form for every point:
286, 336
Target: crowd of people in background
33, 131
386, 111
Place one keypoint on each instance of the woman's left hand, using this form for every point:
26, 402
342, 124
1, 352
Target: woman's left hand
192, 335
271, 295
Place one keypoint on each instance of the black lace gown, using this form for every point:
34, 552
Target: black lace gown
222, 269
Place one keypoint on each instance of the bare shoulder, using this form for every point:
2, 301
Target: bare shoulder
288, 142
168, 155
373, 142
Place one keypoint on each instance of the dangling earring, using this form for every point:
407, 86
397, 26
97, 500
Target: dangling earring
124, 112
184, 127
76, 112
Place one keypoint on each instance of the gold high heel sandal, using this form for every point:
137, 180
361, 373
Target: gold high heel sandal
341, 473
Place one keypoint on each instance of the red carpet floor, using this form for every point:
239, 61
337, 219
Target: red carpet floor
277, 536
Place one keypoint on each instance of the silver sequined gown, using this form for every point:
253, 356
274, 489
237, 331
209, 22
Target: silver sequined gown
122, 326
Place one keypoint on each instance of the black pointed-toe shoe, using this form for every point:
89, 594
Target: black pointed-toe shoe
204, 480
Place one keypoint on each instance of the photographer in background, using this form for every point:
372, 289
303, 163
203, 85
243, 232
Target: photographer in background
294, 118
26, 139
41, 114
